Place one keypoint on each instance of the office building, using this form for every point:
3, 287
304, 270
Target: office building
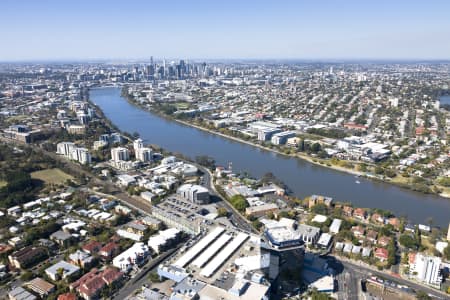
194, 193
282, 137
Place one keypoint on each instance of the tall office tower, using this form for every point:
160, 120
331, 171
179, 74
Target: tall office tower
164, 68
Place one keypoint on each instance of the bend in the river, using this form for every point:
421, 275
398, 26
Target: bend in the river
302, 177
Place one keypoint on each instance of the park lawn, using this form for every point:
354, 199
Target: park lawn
400, 179
182, 105
51, 176
17, 118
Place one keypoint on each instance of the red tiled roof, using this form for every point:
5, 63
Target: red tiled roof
92, 286
412, 257
359, 212
111, 275
381, 253
110, 247
91, 274
92, 246
67, 296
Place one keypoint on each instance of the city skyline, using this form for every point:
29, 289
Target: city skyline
323, 30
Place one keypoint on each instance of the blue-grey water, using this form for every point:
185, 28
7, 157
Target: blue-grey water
301, 177
445, 99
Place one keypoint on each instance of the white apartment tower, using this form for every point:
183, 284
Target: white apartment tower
120, 153
65, 148
81, 155
137, 144
427, 269
144, 154
448, 233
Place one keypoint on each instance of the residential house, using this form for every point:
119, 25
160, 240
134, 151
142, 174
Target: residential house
377, 218
108, 251
40, 286
366, 251
151, 222
67, 296
136, 228
27, 257
318, 199
62, 238
91, 284
347, 210
358, 231
381, 253
92, 247
62, 270
384, 241
371, 236
19, 293
394, 222
81, 259
360, 213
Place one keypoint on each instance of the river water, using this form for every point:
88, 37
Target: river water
303, 178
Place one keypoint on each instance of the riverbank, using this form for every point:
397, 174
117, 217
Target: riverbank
314, 161
297, 155
398, 181
302, 177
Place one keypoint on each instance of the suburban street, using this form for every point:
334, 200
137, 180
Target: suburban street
141, 277
235, 217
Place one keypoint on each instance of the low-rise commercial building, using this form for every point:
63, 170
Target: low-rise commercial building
194, 193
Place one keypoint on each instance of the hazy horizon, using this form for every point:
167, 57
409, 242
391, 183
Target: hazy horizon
323, 30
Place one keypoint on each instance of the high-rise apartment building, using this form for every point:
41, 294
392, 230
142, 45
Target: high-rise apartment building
120, 153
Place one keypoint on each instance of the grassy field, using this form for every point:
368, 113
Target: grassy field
52, 176
182, 105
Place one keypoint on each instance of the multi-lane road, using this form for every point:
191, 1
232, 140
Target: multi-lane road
362, 272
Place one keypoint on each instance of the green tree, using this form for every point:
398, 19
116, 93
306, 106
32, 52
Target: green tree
447, 252
421, 295
315, 147
408, 241
222, 212
239, 202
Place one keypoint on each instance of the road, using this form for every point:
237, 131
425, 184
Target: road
235, 217
141, 277
348, 285
365, 272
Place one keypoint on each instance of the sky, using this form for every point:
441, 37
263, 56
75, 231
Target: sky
228, 29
